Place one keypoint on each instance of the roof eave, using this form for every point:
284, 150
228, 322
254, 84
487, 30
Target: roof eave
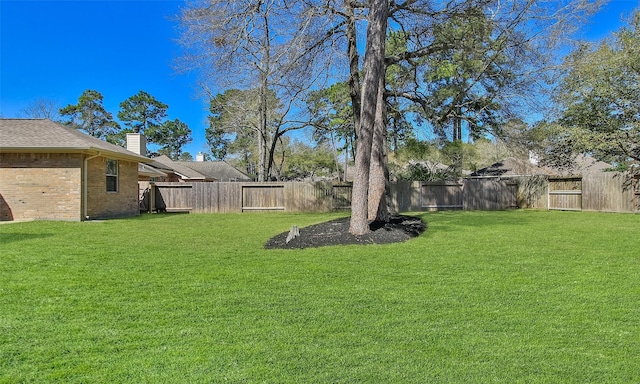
82, 150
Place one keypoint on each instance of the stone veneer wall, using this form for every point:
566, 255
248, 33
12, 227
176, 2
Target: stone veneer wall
44, 186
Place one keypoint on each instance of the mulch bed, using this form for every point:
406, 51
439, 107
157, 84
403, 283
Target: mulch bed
336, 232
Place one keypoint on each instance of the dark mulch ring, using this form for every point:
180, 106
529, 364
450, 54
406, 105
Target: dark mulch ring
336, 232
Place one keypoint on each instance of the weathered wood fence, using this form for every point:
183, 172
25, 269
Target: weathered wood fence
225, 197
607, 192
603, 192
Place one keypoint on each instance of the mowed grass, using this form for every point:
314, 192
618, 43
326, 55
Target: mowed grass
480, 297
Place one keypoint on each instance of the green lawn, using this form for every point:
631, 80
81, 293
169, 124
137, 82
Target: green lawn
480, 297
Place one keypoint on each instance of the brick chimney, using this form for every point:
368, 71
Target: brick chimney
137, 143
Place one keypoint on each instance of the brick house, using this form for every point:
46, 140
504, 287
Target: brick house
52, 172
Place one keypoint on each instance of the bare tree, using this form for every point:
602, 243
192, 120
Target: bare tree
42, 109
252, 45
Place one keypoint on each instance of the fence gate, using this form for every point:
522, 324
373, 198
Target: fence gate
173, 197
263, 197
438, 195
565, 193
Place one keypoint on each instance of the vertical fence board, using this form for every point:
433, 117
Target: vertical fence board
532, 191
324, 192
473, 196
231, 198
490, 194
307, 196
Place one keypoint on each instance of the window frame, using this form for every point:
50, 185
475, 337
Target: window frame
112, 176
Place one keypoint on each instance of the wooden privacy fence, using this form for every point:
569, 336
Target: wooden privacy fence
607, 192
441, 195
470, 194
225, 197
600, 192
490, 194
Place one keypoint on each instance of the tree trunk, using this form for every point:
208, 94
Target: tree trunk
270, 161
373, 70
265, 72
378, 209
354, 69
262, 133
457, 125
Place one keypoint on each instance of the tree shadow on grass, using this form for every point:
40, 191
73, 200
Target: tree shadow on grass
6, 238
455, 221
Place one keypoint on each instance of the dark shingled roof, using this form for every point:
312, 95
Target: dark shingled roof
43, 135
220, 170
584, 165
512, 167
182, 170
202, 170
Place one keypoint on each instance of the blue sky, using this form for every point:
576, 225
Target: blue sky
55, 50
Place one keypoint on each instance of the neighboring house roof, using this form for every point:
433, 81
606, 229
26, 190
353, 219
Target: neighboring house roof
146, 170
588, 165
430, 165
581, 165
511, 167
200, 170
220, 170
181, 170
161, 167
43, 135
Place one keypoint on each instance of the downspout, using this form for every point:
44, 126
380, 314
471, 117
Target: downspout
85, 188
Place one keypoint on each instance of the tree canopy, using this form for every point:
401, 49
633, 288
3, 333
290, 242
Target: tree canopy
141, 113
598, 99
43, 108
90, 115
172, 136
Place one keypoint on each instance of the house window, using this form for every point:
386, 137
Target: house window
112, 175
